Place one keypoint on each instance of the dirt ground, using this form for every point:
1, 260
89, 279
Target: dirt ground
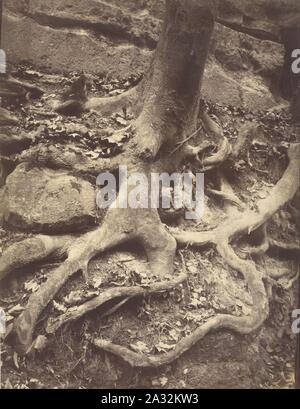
154, 324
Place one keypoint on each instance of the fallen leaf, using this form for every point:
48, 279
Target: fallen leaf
32, 286
140, 347
163, 381
59, 307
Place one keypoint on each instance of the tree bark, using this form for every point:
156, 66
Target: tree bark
171, 91
167, 111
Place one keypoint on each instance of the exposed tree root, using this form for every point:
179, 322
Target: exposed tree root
115, 308
24, 326
37, 248
110, 294
167, 113
167, 110
229, 197
105, 106
67, 158
291, 282
101, 105
249, 221
281, 194
79, 163
246, 134
11, 87
242, 325
216, 132
160, 259
218, 158
286, 249
129, 225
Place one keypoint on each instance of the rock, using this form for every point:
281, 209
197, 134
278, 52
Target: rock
232, 78
100, 16
65, 49
44, 200
242, 70
126, 32
248, 92
139, 20
108, 37
264, 19
239, 52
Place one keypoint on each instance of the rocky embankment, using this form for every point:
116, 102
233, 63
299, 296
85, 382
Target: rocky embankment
117, 38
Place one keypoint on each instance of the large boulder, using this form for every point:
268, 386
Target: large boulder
139, 19
250, 93
242, 70
261, 18
118, 39
44, 200
68, 49
89, 35
118, 22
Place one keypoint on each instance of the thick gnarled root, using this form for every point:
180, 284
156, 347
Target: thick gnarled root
105, 106
225, 149
169, 107
118, 227
285, 249
11, 87
33, 250
247, 222
79, 252
111, 294
242, 325
21, 337
101, 105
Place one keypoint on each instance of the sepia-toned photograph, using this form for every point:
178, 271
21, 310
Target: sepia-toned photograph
149, 197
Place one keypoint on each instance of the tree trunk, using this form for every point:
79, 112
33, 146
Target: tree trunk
171, 91
168, 109
167, 114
